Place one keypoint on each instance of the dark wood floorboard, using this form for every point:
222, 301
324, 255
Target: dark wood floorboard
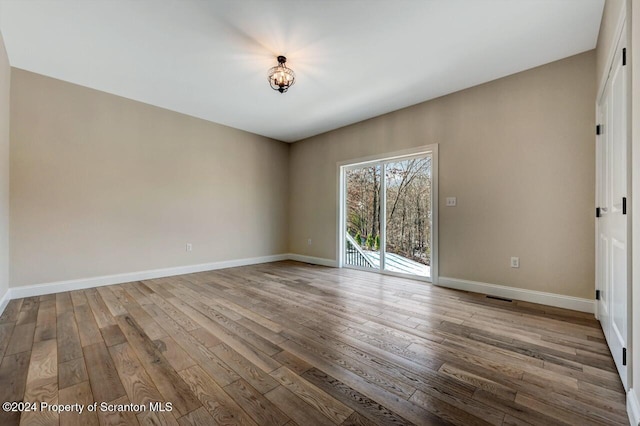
288, 343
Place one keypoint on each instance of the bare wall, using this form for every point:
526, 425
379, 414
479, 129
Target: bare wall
517, 152
611, 15
5, 80
103, 185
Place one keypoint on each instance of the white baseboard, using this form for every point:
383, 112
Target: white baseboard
313, 260
549, 299
4, 300
79, 284
633, 407
568, 302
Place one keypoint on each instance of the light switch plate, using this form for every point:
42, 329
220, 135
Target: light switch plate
452, 201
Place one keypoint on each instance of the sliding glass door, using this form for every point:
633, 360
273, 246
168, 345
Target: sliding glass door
387, 215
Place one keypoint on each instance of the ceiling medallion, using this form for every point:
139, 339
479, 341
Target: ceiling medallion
281, 77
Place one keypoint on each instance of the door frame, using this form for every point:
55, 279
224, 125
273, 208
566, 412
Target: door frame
342, 166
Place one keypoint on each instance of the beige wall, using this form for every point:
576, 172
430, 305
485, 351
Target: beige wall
103, 185
607, 36
517, 152
5, 78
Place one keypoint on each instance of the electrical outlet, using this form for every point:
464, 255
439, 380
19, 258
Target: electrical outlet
189, 247
452, 201
515, 262
309, 242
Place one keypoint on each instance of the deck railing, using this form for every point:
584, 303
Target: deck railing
355, 255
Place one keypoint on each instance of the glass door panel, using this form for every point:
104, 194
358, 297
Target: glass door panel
408, 216
362, 216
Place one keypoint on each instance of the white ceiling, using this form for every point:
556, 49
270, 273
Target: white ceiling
354, 59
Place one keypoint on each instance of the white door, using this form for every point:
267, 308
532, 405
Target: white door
612, 253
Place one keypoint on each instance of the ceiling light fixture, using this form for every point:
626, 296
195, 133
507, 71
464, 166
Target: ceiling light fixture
281, 77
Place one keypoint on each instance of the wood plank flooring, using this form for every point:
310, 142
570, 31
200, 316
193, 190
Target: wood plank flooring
288, 343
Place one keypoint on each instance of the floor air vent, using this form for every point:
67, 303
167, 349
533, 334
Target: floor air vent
499, 298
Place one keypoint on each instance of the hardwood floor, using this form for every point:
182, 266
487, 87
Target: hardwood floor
288, 343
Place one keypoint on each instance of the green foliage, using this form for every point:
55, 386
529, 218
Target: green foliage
377, 242
370, 242
358, 238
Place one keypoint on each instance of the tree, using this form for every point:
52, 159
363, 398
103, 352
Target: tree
376, 207
408, 194
370, 242
408, 207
